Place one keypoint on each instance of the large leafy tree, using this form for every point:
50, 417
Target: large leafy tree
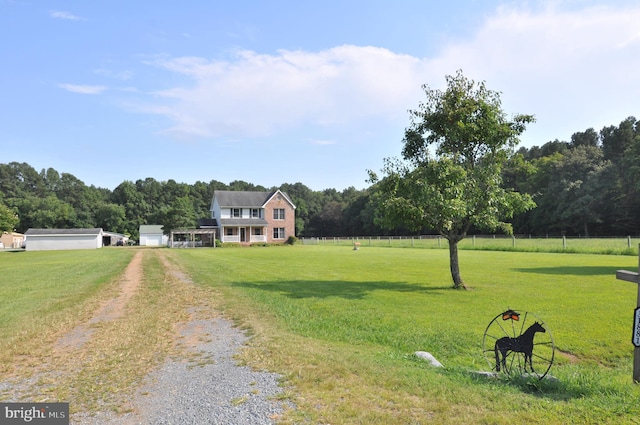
110, 217
621, 145
449, 179
137, 210
48, 212
180, 215
8, 219
577, 187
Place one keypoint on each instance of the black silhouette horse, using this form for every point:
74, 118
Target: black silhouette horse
520, 344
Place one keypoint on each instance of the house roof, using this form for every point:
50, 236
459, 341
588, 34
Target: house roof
115, 235
150, 228
228, 198
254, 222
207, 222
13, 233
62, 232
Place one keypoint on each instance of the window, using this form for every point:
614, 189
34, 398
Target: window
236, 212
255, 213
229, 231
257, 231
278, 213
278, 233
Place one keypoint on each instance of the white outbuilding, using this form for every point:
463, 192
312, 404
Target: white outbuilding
58, 239
152, 235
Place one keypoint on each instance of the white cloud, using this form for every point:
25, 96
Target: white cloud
83, 89
572, 69
57, 14
257, 94
116, 75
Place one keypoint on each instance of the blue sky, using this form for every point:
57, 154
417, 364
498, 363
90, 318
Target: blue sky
276, 92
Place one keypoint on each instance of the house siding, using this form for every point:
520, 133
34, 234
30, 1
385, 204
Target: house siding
231, 227
12, 239
289, 222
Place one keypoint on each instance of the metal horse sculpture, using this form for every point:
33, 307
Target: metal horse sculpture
520, 344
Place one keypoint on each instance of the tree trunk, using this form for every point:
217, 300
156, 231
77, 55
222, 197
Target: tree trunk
454, 265
586, 228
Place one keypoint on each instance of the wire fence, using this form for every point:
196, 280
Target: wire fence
616, 245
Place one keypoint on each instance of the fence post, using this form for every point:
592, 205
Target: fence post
513, 244
564, 243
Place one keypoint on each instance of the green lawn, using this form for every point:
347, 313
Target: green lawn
38, 289
342, 325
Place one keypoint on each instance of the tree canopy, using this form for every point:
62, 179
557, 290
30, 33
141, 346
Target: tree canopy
580, 189
8, 219
454, 152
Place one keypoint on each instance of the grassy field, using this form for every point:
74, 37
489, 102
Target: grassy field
342, 326
39, 290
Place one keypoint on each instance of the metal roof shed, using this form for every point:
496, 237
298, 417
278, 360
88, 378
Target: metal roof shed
60, 239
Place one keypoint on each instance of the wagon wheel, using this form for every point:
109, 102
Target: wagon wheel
508, 326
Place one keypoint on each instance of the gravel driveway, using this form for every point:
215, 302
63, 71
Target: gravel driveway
203, 384
199, 382
205, 387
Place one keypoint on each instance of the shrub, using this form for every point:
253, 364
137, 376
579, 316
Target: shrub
292, 240
228, 245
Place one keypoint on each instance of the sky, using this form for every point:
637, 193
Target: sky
272, 92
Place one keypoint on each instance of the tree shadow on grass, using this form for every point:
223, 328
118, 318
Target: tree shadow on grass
572, 270
339, 288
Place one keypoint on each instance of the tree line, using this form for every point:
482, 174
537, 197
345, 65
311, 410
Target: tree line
587, 186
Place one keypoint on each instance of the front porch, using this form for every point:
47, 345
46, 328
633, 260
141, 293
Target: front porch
244, 234
192, 238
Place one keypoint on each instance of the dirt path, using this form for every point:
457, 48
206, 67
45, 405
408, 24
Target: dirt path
146, 344
46, 369
110, 309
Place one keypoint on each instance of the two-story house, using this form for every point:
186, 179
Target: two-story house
250, 217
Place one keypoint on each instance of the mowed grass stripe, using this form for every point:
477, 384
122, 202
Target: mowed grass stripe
44, 292
342, 326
